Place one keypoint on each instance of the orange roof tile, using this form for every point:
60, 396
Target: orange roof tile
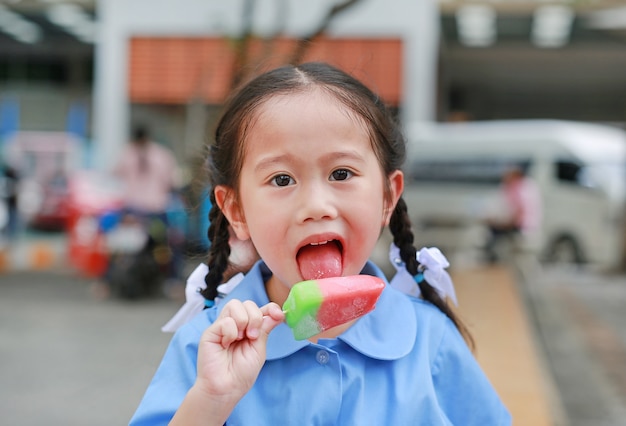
172, 70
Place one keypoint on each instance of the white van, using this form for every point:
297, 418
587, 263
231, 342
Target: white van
453, 172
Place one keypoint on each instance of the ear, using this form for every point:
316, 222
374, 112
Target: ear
396, 185
228, 203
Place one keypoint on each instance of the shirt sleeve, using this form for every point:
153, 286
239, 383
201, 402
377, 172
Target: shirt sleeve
463, 390
172, 380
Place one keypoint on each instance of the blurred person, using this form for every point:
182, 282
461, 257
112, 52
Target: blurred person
9, 181
522, 210
149, 175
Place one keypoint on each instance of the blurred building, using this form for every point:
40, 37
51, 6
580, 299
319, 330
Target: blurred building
92, 67
534, 59
46, 66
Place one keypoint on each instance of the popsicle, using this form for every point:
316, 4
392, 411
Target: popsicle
314, 306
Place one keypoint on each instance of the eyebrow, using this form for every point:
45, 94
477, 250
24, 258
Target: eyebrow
340, 155
349, 155
269, 161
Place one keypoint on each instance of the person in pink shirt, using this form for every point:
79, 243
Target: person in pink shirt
149, 173
523, 210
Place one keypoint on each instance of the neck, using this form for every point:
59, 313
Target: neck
276, 290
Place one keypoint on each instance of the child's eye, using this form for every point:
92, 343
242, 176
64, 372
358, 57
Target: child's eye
282, 180
340, 174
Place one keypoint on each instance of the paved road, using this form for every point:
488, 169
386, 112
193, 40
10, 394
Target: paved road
580, 320
69, 359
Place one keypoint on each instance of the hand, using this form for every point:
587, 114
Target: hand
231, 351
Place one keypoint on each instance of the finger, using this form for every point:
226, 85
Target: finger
223, 332
272, 316
255, 319
274, 310
236, 310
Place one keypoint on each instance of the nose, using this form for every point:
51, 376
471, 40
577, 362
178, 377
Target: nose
317, 202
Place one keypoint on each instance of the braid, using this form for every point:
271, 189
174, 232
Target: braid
218, 252
400, 226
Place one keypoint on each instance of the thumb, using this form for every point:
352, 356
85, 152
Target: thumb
272, 316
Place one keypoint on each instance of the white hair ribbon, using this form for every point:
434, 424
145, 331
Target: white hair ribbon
194, 301
433, 264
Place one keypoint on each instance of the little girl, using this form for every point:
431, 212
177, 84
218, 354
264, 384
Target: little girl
306, 164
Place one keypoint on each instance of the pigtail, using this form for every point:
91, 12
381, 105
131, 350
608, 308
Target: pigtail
218, 252
400, 226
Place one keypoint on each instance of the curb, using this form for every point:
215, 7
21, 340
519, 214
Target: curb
526, 287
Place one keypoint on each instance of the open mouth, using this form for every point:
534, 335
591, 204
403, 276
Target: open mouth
320, 260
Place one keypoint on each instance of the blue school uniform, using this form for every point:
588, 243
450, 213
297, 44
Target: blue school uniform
403, 363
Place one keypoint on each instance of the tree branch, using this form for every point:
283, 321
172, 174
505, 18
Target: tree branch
304, 43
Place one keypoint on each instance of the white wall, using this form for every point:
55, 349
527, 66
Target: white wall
415, 21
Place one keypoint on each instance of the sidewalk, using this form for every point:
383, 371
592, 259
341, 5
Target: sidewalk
494, 311
34, 251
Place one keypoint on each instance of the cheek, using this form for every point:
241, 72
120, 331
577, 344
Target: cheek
265, 226
368, 215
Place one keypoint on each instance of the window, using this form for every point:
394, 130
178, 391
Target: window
568, 171
482, 171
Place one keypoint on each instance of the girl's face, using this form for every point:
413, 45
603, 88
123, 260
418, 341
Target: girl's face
312, 194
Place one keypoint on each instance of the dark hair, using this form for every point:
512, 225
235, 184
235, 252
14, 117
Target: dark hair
140, 133
226, 157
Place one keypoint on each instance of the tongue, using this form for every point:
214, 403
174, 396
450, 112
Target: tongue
321, 261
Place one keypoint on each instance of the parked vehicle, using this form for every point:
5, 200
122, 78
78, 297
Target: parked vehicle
45, 162
454, 169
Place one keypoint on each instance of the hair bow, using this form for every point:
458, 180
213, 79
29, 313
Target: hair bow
194, 301
433, 264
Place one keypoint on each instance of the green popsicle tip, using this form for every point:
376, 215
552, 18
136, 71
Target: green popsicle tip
304, 300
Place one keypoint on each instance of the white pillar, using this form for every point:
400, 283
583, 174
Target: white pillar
421, 61
111, 109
